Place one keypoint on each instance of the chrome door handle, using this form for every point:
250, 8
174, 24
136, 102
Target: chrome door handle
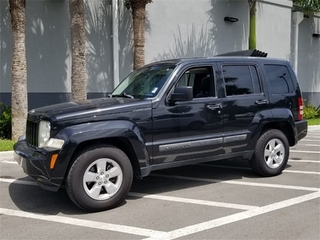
262, 101
214, 106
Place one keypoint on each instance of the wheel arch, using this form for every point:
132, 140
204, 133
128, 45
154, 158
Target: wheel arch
283, 126
121, 143
124, 135
278, 118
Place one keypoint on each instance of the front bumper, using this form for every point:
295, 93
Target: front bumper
36, 164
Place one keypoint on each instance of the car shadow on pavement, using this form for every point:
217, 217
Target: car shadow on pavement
180, 178
32, 198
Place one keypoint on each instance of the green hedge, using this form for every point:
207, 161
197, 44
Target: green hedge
5, 121
311, 112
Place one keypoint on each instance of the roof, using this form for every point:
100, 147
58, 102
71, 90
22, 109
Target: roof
238, 56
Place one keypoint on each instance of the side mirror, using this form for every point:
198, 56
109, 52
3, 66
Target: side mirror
183, 93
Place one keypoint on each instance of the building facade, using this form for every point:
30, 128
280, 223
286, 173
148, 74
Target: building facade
174, 29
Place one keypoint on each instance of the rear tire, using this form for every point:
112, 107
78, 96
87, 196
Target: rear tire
100, 178
271, 153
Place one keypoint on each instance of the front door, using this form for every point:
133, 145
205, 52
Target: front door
188, 130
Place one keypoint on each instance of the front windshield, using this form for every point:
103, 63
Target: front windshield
145, 82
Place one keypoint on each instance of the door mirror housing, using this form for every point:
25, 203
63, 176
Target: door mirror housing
183, 93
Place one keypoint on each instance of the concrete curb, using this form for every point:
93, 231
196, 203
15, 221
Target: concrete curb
314, 127
6, 155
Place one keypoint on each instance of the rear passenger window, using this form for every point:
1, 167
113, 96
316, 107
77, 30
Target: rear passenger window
279, 78
240, 80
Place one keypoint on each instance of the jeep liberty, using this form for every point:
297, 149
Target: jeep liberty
167, 114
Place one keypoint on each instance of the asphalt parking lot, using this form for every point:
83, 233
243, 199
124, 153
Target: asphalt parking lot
215, 200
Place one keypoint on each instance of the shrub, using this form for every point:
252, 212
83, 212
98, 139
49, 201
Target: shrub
311, 112
5, 121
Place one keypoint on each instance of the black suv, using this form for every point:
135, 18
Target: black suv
166, 114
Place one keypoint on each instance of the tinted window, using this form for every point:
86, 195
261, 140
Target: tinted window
240, 80
201, 79
144, 82
279, 78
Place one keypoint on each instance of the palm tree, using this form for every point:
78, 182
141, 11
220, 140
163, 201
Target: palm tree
19, 99
78, 44
252, 26
138, 8
308, 5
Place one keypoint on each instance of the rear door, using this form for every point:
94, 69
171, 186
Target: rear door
244, 98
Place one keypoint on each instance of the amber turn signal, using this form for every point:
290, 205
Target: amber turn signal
53, 160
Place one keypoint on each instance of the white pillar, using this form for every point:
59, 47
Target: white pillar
297, 18
115, 42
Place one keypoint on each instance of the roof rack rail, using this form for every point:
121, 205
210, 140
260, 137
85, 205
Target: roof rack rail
246, 53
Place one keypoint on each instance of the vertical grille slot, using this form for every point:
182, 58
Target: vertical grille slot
32, 133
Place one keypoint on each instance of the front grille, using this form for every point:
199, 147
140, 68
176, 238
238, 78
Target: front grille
32, 133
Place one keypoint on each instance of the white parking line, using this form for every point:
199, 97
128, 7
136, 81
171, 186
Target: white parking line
309, 140
82, 223
304, 161
310, 145
9, 161
196, 228
6, 180
299, 151
249, 169
314, 137
243, 183
302, 172
158, 197
178, 233
152, 234
193, 201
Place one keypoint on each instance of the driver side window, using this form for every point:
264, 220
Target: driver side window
201, 79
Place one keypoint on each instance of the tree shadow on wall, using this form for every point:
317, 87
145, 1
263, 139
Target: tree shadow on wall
308, 57
5, 52
99, 46
194, 45
213, 37
229, 36
125, 42
47, 50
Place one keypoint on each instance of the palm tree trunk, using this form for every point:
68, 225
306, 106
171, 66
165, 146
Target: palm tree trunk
139, 21
19, 92
252, 30
78, 45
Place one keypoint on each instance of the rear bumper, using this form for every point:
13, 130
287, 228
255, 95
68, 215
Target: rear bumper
302, 129
36, 164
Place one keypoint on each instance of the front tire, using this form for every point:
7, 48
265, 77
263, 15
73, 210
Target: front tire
271, 153
100, 178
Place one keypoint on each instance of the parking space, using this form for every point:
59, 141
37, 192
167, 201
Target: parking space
216, 200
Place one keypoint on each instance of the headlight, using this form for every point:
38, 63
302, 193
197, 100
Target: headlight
44, 133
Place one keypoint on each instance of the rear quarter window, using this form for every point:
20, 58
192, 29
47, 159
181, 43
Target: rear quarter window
280, 79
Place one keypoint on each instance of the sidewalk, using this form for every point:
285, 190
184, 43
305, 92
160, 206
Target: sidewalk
7, 155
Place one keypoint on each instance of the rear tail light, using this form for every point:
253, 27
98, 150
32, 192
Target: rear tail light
300, 108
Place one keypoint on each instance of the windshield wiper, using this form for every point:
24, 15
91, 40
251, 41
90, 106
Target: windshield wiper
121, 95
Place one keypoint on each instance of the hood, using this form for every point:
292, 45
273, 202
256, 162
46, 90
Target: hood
89, 108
